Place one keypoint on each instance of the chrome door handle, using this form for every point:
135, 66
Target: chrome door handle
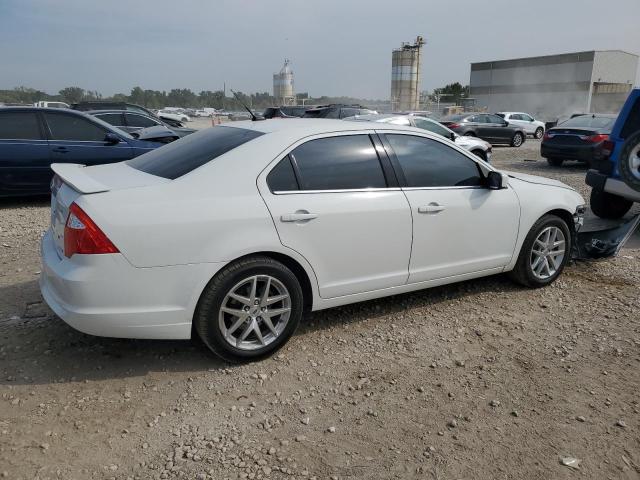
298, 217
431, 208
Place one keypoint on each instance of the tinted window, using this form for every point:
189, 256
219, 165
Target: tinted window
111, 118
339, 163
432, 127
134, 120
494, 119
72, 127
19, 125
428, 163
478, 119
190, 152
526, 118
501, 115
282, 178
589, 121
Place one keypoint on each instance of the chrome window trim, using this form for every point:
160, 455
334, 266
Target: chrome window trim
346, 190
476, 187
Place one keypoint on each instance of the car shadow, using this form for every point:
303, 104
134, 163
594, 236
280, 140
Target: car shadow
17, 202
37, 347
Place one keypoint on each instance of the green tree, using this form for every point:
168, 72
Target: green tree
72, 94
453, 92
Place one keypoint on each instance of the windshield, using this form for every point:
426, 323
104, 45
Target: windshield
589, 121
185, 155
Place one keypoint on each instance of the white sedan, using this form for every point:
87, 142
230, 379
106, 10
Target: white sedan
236, 230
530, 125
173, 115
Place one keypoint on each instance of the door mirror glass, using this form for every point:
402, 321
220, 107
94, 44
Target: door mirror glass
496, 180
111, 138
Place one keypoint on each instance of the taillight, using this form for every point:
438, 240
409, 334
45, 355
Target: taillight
595, 138
607, 148
453, 125
82, 235
548, 136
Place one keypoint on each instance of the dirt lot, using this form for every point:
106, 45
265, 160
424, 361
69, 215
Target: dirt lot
481, 380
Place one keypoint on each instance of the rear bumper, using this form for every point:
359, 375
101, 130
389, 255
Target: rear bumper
581, 153
605, 183
105, 295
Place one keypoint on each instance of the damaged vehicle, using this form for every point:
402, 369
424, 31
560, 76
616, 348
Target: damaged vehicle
32, 138
234, 231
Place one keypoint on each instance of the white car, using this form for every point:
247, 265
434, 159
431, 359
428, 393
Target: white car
475, 145
530, 125
236, 229
173, 115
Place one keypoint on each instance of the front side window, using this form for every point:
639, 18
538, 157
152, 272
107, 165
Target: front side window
72, 127
111, 118
185, 155
338, 163
494, 119
19, 126
134, 120
478, 119
429, 163
526, 118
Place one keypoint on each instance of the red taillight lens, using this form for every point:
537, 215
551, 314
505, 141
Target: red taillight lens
453, 125
547, 136
595, 138
607, 148
82, 235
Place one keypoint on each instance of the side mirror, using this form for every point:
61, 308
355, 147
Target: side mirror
497, 180
505, 124
453, 136
111, 138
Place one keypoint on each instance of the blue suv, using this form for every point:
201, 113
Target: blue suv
615, 180
31, 139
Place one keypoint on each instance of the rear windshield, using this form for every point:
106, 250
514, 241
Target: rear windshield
182, 156
589, 121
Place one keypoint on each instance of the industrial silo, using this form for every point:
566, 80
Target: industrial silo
405, 76
283, 85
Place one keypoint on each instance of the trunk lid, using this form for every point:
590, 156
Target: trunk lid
72, 181
570, 136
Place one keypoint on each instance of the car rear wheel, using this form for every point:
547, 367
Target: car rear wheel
608, 205
544, 253
517, 139
629, 162
555, 162
249, 309
539, 133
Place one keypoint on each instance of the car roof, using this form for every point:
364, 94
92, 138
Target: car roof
312, 126
41, 109
102, 112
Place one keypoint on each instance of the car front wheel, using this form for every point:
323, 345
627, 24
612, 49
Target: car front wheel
544, 253
517, 139
250, 309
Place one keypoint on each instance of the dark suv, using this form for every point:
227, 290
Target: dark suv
337, 111
489, 127
131, 107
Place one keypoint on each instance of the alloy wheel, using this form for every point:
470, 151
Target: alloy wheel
254, 312
634, 162
547, 253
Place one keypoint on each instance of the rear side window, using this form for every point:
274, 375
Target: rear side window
19, 126
72, 127
111, 118
338, 163
282, 178
428, 163
182, 156
134, 120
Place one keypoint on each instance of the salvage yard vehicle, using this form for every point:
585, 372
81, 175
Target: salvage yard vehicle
235, 230
337, 111
615, 177
477, 146
32, 138
580, 138
530, 125
173, 115
491, 128
285, 111
133, 121
88, 106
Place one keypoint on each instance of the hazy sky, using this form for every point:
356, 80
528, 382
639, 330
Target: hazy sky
335, 46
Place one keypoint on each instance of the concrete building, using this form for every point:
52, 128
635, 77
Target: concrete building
283, 86
555, 86
405, 76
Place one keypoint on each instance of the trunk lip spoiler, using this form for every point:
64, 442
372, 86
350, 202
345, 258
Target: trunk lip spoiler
71, 174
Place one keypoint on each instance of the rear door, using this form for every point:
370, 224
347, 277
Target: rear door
76, 139
24, 154
333, 201
136, 121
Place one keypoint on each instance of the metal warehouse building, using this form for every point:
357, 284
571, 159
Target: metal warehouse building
555, 86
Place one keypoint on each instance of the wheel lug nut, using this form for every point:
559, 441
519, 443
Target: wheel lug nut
264, 309
256, 302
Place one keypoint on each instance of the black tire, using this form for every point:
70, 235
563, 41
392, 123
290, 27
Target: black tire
206, 317
480, 154
555, 162
607, 205
629, 174
470, 134
523, 272
517, 140
538, 133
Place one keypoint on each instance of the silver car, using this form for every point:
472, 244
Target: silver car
475, 145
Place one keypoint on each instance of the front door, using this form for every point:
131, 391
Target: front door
24, 154
459, 225
331, 202
75, 139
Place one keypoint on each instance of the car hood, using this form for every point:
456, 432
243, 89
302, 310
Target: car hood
536, 179
465, 141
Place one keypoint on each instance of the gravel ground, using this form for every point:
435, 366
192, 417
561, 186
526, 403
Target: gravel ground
482, 380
